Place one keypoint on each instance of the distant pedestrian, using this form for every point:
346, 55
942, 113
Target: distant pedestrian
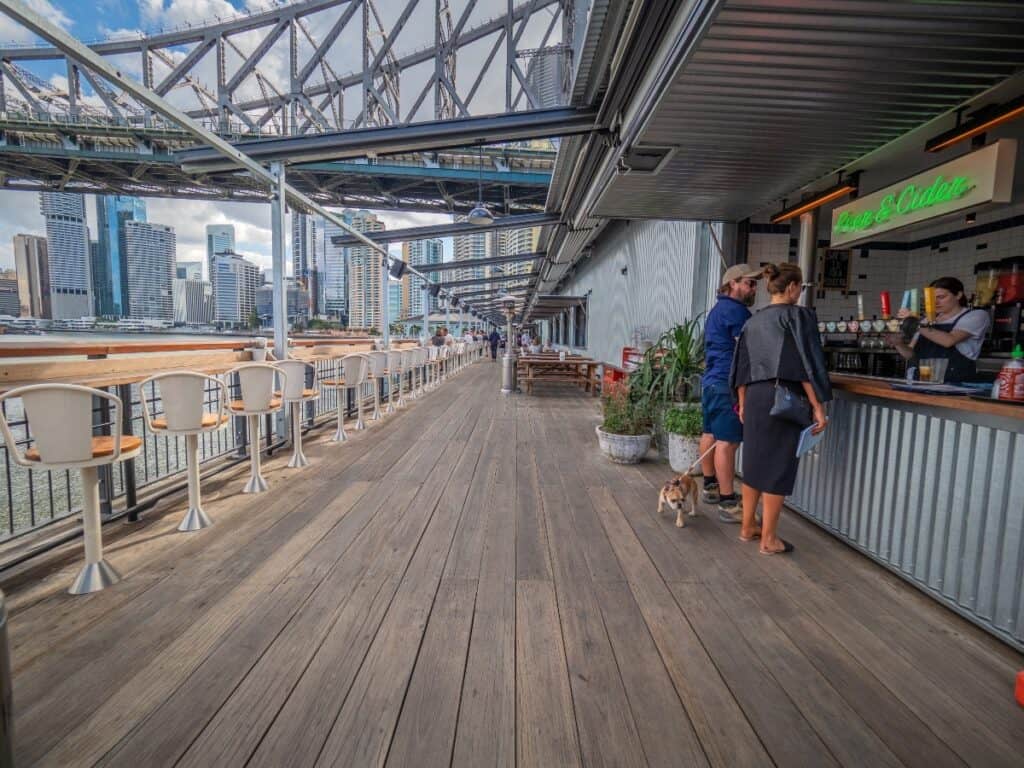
494, 339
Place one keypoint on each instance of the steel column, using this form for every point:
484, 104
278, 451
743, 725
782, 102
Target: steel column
806, 249
385, 321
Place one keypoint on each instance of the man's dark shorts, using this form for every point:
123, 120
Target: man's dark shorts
719, 417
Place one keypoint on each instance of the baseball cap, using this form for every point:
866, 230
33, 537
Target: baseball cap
739, 272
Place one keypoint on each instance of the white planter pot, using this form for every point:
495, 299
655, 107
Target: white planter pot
259, 354
623, 449
682, 452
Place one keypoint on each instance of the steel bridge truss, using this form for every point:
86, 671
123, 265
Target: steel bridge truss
276, 72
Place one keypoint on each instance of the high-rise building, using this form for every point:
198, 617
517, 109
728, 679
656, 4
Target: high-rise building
396, 295
364, 273
220, 238
545, 76
109, 259
296, 296
188, 270
67, 247
514, 243
234, 288
33, 269
149, 257
418, 253
307, 258
334, 275
478, 245
9, 304
193, 300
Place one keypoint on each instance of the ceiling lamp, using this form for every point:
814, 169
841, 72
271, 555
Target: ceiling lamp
833, 193
480, 216
979, 122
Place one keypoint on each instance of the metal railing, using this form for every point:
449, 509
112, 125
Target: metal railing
34, 498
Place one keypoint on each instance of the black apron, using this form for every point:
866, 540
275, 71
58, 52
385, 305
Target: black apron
960, 367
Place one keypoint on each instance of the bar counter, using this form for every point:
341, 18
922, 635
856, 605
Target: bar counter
930, 486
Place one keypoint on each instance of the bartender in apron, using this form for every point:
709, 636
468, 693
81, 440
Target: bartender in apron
956, 334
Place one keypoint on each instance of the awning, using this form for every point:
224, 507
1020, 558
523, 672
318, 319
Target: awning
551, 305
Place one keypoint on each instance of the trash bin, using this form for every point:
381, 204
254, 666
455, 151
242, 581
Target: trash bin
6, 711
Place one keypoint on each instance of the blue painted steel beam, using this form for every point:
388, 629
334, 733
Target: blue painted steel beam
519, 178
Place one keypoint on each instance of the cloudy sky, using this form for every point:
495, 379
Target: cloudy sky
103, 19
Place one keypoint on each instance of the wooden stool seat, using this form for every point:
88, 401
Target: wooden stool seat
102, 445
209, 420
334, 382
239, 405
305, 393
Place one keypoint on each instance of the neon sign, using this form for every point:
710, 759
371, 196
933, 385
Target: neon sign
910, 198
978, 178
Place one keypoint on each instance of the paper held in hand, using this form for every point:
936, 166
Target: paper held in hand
808, 441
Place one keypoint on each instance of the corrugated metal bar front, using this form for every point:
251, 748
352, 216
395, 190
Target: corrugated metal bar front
935, 494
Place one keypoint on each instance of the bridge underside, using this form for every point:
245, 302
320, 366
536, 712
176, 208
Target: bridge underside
512, 181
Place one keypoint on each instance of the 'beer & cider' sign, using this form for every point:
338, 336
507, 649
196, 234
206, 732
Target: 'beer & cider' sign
984, 176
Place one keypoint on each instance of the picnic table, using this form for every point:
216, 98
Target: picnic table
549, 368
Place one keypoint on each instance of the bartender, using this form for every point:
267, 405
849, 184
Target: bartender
956, 334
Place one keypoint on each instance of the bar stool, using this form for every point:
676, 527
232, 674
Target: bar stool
61, 420
433, 365
394, 369
352, 376
378, 365
419, 356
182, 394
256, 381
295, 393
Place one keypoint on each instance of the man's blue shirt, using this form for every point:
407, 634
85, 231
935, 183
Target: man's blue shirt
725, 321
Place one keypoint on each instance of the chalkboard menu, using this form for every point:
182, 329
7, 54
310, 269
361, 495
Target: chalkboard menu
835, 269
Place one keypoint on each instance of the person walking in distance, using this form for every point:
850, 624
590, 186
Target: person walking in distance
722, 428
494, 339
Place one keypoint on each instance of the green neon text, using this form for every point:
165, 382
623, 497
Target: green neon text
910, 198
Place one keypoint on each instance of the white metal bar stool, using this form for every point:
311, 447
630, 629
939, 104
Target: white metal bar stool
295, 392
394, 369
378, 364
256, 381
182, 394
60, 416
418, 371
351, 376
433, 366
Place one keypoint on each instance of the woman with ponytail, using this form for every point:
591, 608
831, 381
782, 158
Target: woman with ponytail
778, 360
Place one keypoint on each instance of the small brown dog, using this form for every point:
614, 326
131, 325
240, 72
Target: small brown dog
675, 493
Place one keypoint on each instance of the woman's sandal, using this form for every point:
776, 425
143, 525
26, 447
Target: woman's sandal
755, 537
786, 549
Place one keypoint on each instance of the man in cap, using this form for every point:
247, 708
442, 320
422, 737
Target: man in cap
722, 427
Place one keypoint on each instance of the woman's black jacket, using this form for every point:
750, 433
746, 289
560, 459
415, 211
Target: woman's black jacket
781, 342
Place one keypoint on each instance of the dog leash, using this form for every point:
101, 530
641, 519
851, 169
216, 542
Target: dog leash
699, 460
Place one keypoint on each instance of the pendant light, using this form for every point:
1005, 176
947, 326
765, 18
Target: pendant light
480, 216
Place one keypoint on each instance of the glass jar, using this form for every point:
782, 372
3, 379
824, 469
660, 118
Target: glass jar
986, 282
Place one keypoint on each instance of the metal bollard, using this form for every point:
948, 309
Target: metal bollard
6, 707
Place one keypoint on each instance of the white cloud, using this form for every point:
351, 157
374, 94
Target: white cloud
13, 32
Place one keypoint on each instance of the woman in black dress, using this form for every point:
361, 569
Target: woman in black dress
779, 347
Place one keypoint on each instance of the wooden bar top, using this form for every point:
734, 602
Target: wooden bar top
860, 385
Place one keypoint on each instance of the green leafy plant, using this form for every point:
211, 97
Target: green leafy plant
687, 422
624, 414
670, 369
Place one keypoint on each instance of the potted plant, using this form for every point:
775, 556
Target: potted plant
684, 427
625, 433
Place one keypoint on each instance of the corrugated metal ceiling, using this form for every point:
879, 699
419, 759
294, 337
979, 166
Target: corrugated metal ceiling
779, 93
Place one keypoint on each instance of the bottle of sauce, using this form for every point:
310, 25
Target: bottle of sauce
1011, 377
841, 325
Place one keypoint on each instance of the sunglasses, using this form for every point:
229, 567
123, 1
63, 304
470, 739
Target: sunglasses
750, 283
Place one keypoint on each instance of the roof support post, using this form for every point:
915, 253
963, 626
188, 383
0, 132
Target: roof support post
278, 247
805, 250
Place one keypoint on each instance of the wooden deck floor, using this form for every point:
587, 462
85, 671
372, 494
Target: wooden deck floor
470, 583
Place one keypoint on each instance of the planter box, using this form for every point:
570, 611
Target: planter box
623, 449
682, 452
